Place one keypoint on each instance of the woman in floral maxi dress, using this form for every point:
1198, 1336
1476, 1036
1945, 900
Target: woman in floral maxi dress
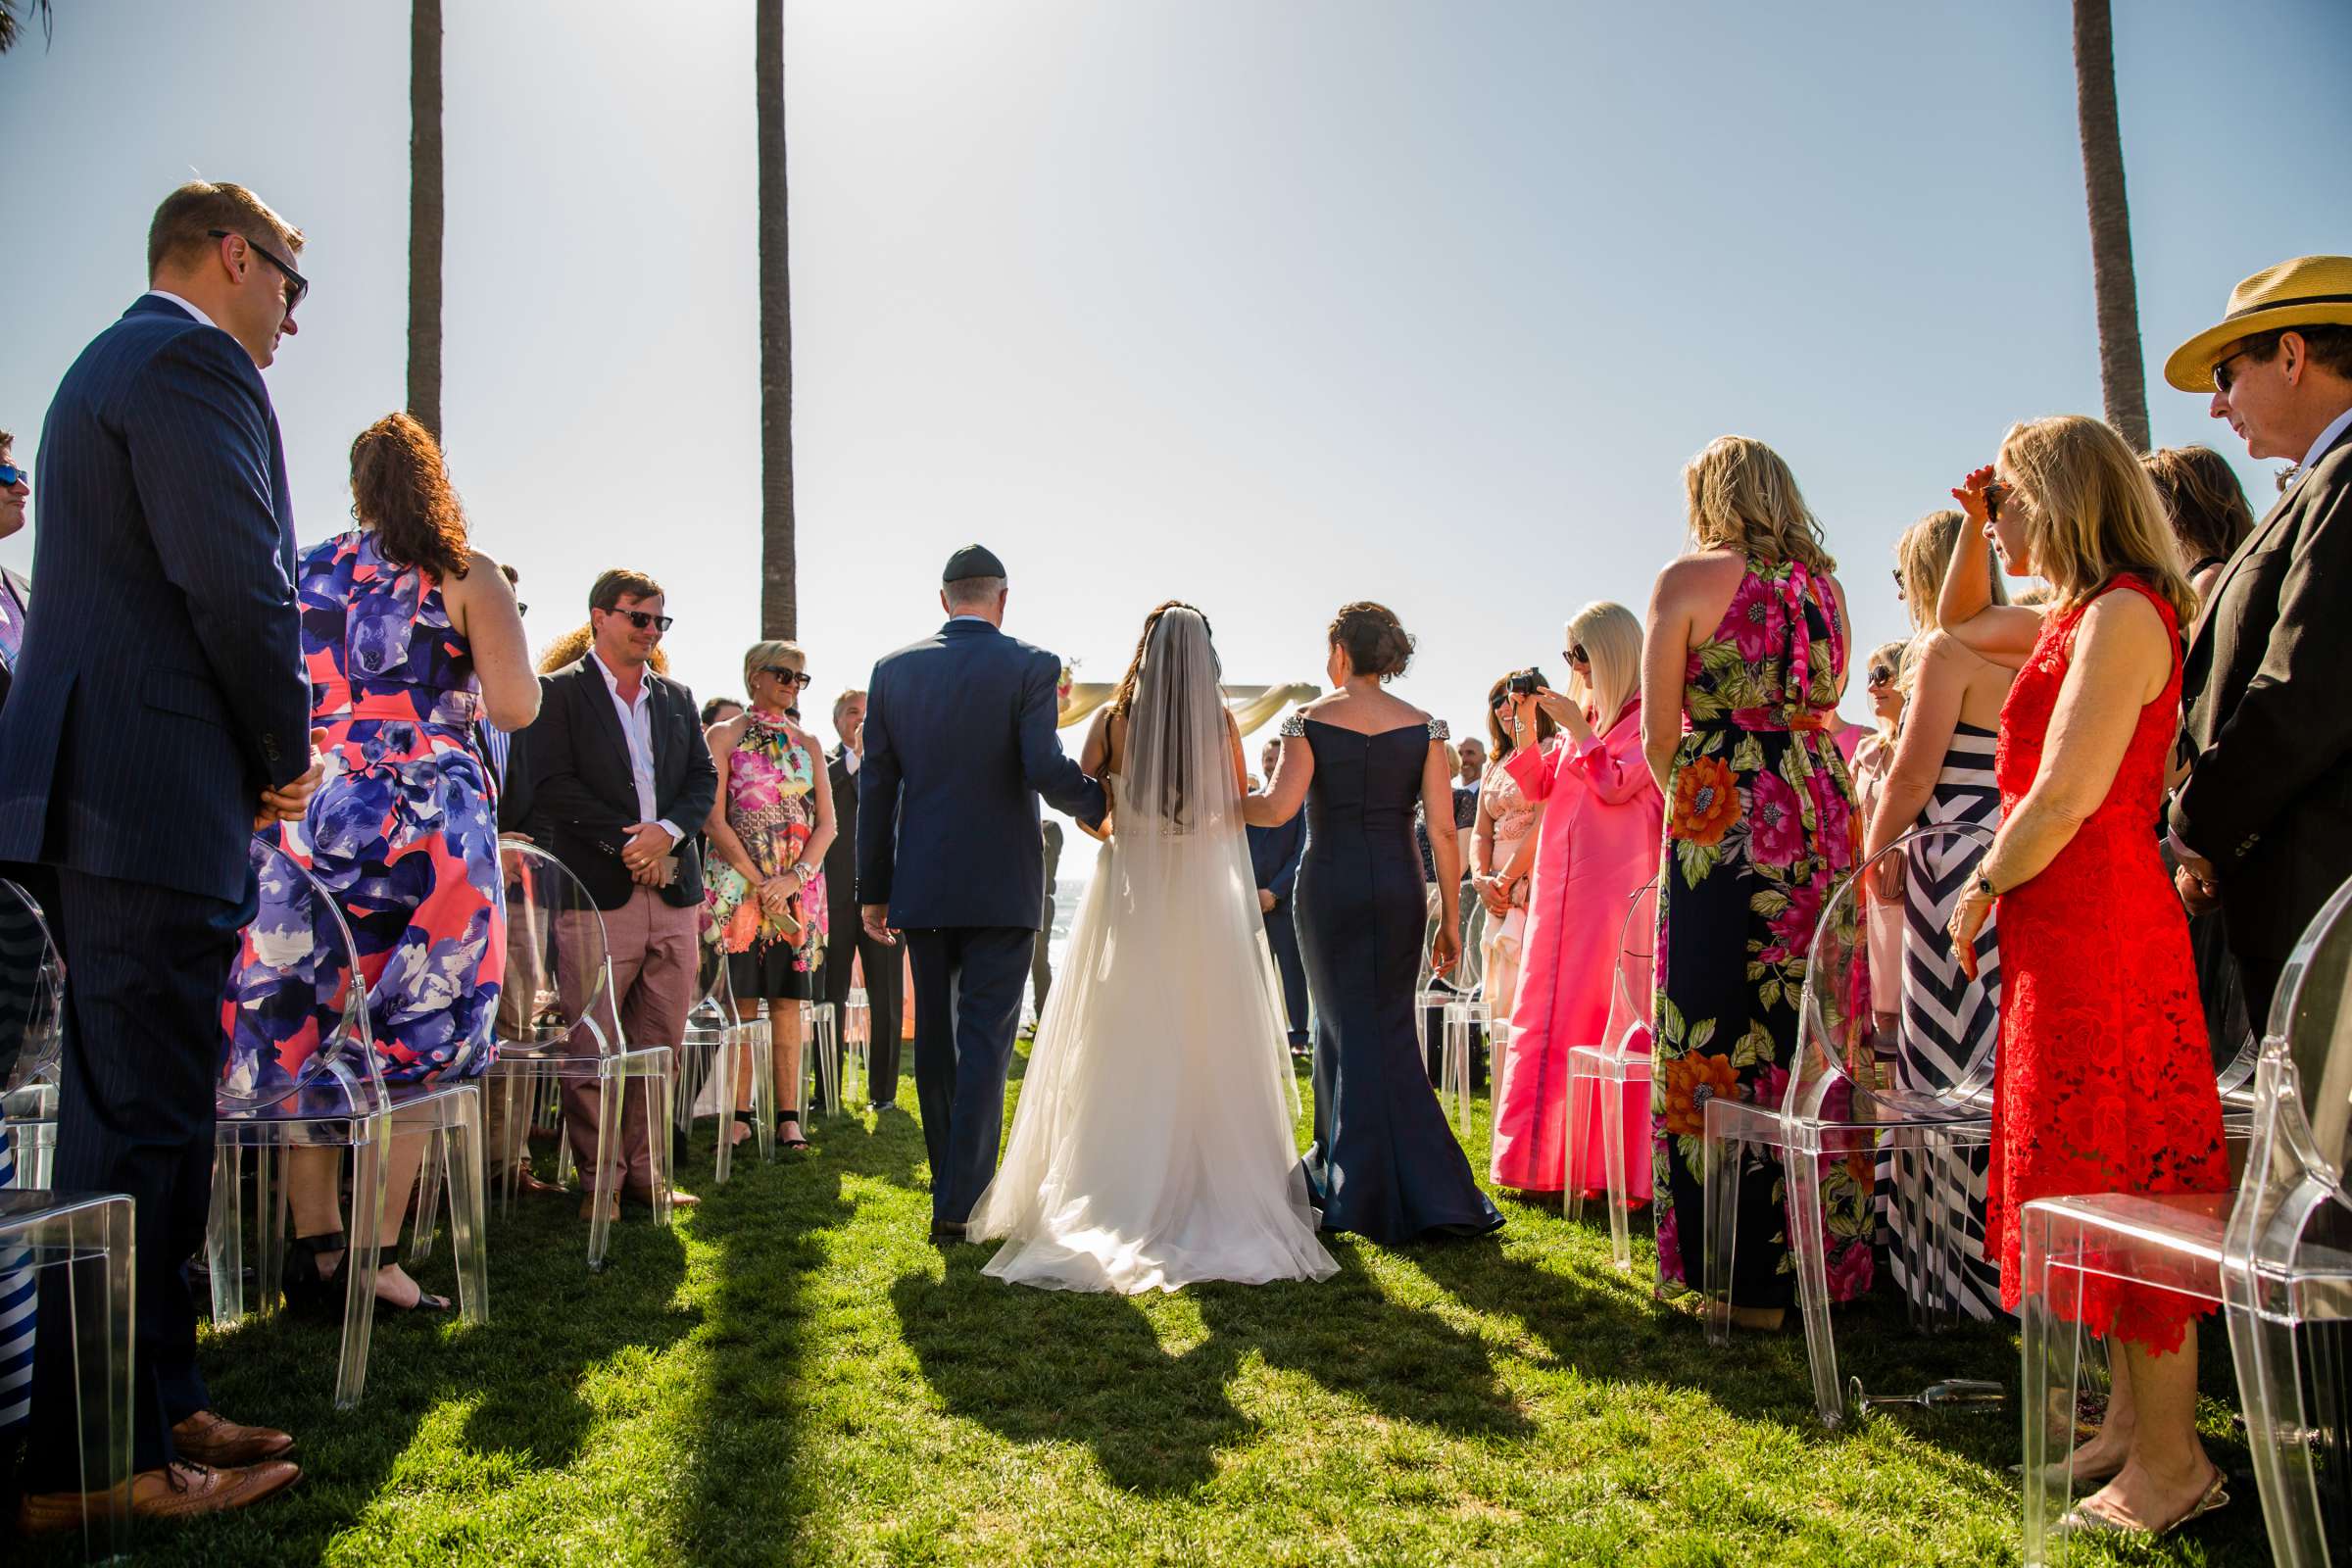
1759, 828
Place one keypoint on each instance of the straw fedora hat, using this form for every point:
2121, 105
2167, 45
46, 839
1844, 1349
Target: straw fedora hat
2308, 291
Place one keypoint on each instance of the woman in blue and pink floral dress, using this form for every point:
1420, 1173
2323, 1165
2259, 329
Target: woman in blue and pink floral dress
770, 829
411, 636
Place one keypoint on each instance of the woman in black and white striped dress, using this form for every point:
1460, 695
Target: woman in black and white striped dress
1943, 773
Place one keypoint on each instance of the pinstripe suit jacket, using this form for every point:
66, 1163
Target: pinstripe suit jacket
160, 687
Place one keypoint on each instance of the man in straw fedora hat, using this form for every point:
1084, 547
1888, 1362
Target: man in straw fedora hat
2263, 822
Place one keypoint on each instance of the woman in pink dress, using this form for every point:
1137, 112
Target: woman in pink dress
1502, 855
1603, 826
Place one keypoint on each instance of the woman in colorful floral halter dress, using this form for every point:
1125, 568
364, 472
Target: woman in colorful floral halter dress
768, 833
1748, 646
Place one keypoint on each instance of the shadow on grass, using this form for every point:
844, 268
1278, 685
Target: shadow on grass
748, 1495
1063, 1366
523, 1381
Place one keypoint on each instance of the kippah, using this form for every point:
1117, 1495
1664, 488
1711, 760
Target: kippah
972, 561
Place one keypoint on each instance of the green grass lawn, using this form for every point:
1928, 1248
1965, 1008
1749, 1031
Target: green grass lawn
793, 1375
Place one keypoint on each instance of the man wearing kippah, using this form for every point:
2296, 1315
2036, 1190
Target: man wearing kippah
958, 744
2260, 825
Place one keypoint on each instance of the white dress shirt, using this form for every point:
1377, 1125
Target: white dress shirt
850, 761
167, 294
637, 727
2335, 427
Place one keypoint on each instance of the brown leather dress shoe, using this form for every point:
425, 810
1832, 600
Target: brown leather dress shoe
208, 1440
180, 1490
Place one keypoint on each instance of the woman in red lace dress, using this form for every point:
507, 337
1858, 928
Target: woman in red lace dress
2105, 1083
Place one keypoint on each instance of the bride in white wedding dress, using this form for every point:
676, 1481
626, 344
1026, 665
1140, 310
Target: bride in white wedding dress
1153, 1144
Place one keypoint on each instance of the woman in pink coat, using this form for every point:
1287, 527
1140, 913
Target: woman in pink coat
1598, 844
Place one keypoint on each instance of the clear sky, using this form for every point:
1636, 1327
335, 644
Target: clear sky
1266, 306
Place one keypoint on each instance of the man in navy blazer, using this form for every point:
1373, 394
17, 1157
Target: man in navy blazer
1274, 856
960, 742
160, 710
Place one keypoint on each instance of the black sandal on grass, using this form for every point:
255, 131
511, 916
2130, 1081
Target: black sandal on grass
784, 1118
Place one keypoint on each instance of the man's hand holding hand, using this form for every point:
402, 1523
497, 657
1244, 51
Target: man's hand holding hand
1265, 901
289, 803
876, 918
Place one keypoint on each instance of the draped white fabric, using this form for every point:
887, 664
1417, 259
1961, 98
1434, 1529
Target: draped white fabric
1151, 1145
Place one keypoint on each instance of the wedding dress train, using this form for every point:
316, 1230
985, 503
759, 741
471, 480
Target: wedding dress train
1153, 1144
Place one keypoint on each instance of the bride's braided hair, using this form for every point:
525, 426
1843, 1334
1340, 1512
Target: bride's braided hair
1124, 697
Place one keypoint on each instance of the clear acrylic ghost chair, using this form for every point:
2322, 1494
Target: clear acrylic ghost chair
820, 1059
1834, 1110
2276, 1255
856, 1036
296, 984
716, 1031
563, 1024
88, 1235
32, 988
1617, 1069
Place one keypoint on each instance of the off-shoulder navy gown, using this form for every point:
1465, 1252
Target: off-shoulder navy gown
1383, 1163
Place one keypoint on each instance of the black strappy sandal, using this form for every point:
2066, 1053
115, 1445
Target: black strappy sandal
317, 1293
750, 1125
782, 1117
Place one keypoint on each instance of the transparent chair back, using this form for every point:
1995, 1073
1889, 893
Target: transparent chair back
2286, 1270
1608, 1083
87, 1238
32, 988
1836, 1112
558, 958
721, 1045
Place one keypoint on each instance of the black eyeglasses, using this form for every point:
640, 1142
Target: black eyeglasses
11, 474
298, 287
787, 674
640, 619
1881, 674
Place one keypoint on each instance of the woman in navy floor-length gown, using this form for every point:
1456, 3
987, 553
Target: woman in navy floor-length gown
1383, 1163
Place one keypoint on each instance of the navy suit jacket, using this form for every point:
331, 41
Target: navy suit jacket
1274, 854
162, 686
960, 742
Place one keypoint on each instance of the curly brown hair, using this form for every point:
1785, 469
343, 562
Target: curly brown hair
400, 489
1498, 739
1373, 638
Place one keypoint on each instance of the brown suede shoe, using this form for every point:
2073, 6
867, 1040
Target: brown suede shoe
208, 1440
181, 1491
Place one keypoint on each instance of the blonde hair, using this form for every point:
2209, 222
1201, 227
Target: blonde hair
1611, 637
1743, 497
2093, 512
1924, 555
769, 652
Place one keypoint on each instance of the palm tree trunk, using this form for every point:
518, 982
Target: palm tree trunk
779, 573
424, 214
2123, 381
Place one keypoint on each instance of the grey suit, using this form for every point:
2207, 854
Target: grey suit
2268, 726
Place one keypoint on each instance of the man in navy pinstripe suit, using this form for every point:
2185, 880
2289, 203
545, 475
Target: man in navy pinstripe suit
160, 710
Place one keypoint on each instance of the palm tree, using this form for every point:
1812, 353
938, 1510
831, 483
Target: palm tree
11, 19
424, 214
2123, 381
779, 572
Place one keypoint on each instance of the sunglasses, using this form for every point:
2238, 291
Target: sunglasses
11, 474
521, 608
2223, 376
1880, 675
640, 619
787, 674
1575, 654
298, 287
1995, 494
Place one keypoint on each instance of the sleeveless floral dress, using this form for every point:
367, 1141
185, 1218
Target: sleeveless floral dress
771, 805
2105, 1081
403, 831
1760, 826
